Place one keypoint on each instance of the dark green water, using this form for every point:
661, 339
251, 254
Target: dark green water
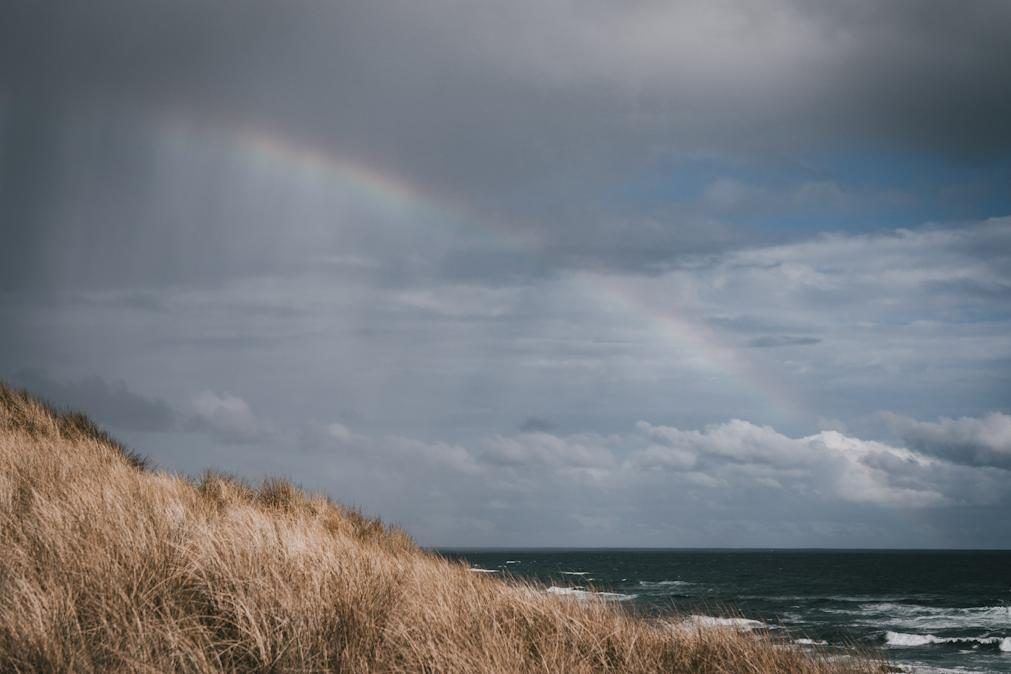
928, 611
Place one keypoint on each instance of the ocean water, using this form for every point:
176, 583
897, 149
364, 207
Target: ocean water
927, 611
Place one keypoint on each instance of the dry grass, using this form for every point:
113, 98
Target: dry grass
108, 567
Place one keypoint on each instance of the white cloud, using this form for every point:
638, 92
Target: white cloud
650, 475
529, 449
830, 463
340, 433
226, 416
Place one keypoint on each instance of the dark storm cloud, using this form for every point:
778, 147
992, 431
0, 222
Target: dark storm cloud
526, 112
928, 72
984, 441
108, 402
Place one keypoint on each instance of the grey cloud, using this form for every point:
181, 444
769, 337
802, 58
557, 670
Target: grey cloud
537, 425
595, 349
949, 55
108, 402
523, 115
225, 417
648, 484
984, 441
533, 449
769, 341
808, 197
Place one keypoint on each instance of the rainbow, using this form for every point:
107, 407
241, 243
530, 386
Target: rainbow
688, 338
698, 347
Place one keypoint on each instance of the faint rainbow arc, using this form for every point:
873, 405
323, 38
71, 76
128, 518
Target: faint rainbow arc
388, 191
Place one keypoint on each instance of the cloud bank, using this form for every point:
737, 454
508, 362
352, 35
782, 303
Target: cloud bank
647, 486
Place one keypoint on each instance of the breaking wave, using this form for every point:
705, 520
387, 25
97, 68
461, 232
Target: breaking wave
926, 618
650, 584
712, 621
581, 594
903, 640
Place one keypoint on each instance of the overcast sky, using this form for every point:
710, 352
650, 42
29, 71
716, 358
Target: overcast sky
539, 272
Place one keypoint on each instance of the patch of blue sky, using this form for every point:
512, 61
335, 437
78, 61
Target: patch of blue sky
844, 191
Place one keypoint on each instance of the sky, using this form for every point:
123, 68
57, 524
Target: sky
539, 273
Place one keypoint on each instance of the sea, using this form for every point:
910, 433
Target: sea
923, 611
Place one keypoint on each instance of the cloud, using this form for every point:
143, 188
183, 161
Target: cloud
648, 477
117, 142
769, 341
225, 416
107, 402
809, 196
743, 455
540, 448
537, 425
983, 441
586, 349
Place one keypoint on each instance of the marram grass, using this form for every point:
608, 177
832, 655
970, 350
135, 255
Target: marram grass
107, 566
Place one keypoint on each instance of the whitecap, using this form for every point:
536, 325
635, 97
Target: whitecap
926, 618
477, 570
917, 668
903, 640
574, 573
663, 583
811, 642
581, 594
712, 621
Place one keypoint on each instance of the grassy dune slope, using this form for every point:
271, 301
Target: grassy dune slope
108, 567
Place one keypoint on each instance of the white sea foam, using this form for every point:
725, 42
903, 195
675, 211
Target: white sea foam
663, 583
861, 598
903, 640
1005, 645
918, 668
574, 573
512, 561
581, 594
927, 618
712, 621
477, 570
811, 642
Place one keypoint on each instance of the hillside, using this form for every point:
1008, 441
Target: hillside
108, 566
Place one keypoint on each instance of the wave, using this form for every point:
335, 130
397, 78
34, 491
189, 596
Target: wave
573, 573
903, 640
712, 621
581, 594
918, 668
811, 642
927, 618
477, 570
663, 583
844, 599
